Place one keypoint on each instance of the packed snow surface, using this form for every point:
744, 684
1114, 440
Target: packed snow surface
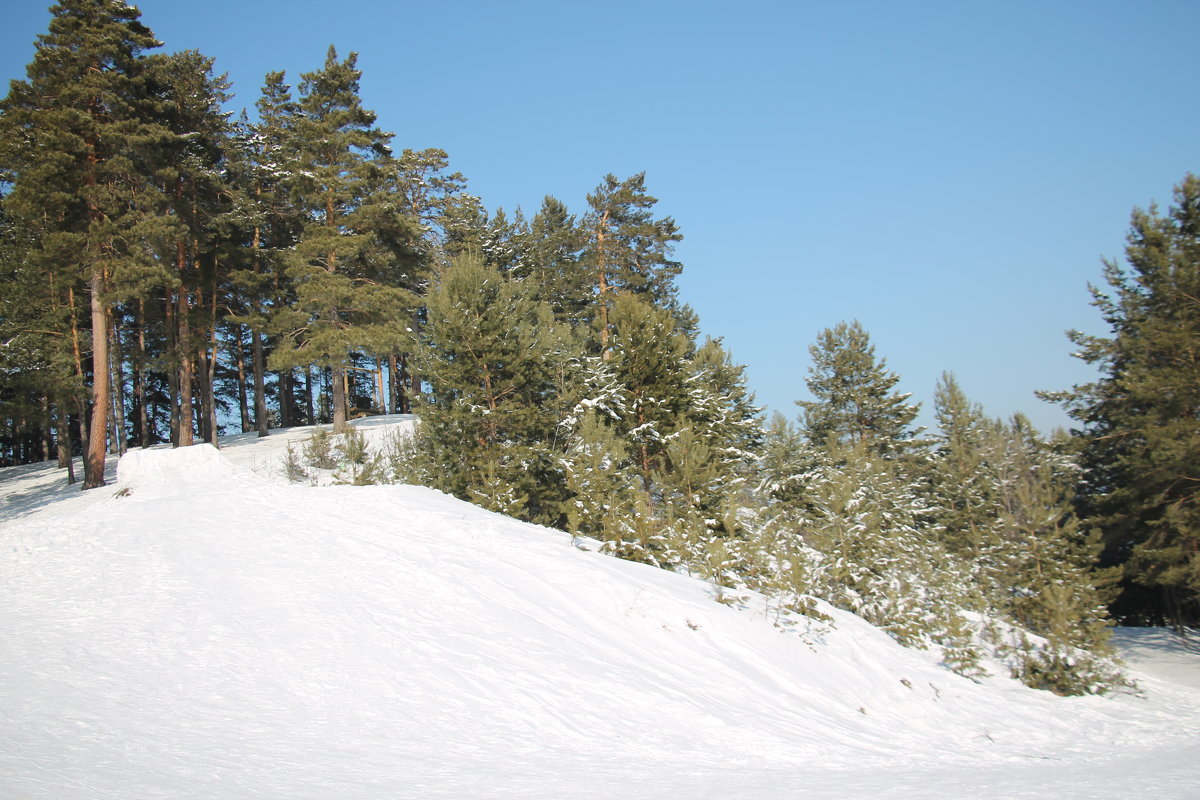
200, 628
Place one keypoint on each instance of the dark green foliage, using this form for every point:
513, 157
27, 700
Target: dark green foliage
352, 235
357, 464
1139, 423
72, 135
319, 450
1004, 499
150, 244
969, 546
492, 355
628, 251
855, 398
551, 259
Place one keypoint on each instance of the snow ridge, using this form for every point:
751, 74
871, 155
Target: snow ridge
200, 630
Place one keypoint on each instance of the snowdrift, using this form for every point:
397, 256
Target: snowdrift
200, 629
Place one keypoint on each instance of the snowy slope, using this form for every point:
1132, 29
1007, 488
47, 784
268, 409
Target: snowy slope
201, 629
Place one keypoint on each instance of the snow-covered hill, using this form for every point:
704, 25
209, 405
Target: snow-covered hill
202, 629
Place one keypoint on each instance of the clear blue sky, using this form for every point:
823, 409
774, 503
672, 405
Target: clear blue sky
948, 173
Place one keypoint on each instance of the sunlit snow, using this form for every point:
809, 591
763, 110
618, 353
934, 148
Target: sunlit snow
200, 628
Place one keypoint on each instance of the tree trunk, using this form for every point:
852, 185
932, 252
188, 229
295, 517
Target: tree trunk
308, 395
209, 361
78, 352
187, 373
117, 359
145, 438
338, 379
172, 367
287, 399
602, 286
94, 457
63, 423
239, 360
203, 418
62, 437
47, 429
380, 403
260, 388
393, 384
414, 378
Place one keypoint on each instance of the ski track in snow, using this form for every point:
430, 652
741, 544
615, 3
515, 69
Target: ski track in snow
202, 629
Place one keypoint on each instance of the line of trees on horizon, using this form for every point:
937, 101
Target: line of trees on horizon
165, 266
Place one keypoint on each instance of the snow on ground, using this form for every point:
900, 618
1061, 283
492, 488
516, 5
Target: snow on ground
202, 629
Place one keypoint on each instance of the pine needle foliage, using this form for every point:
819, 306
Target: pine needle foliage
1139, 423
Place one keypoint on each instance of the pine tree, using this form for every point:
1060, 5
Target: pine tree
552, 259
710, 460
189, 172
879, 556
786, 456
72, 131
262, 161
1003, 498
43, 380
490, 353
966, 488
855, 398
628, 251
352, 237
648, 358
1139, 423
604, 491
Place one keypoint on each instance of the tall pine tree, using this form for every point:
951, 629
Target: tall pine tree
72, 132
1139, 423
352, 234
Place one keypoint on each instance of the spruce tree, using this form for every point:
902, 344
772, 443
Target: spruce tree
1139, 423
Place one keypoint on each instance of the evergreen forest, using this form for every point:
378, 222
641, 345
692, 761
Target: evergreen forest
170, 271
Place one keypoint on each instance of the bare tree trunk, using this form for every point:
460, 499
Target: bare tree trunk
78, 352
62, 437
393, 383
145, 439
187, 372
47, 429
117, 359
239, 360
210, 378
287, 399
338, 379
380, 403
203, 419
260, 386
63, 423
172, 367
94, 457
308, 394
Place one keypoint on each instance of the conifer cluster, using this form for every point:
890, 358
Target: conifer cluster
168, 270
